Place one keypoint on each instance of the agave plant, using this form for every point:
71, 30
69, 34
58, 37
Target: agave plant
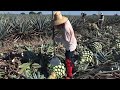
41, 23
3, 30
30, 71
85, 57
21, 27
116, 51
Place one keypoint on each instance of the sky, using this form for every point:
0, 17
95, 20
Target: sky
66, 12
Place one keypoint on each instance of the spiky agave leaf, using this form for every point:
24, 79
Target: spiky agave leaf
3, 31
33, 74
61, 57
50, 49
38, 75
96, 48
35, 66
24, 67
2, 73
28, 74
83, 66
116, 50
101, 57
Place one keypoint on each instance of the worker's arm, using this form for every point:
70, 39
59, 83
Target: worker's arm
68, 32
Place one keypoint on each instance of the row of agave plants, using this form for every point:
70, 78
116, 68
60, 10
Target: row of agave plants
26, 26
23, 25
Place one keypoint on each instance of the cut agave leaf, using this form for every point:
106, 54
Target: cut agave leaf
36, 65
101, 57
34, 75
1, 54
24, 67
28, 74
38, 73
60, 56
1, 74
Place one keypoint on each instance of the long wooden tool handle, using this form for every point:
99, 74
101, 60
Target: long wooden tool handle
53, 31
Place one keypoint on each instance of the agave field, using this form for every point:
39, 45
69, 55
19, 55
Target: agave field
26, 48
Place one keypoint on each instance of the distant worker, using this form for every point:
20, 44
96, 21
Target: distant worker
101, 20
83, 15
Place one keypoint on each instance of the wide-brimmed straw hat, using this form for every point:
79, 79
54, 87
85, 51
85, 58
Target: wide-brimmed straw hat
59, 18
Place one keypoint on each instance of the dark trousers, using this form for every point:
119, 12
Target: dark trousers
70, 55
100, 24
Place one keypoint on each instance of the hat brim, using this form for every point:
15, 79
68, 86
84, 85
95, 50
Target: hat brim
60, 21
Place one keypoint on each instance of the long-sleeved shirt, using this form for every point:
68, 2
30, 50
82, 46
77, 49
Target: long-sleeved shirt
101, 17
68, 37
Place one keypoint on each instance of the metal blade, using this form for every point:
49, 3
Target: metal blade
55, 61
